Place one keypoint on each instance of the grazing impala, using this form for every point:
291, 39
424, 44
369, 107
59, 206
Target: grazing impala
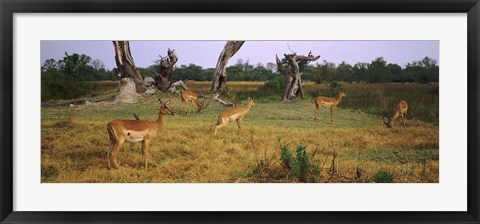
330, 102
234, 114
133, 131
188, 95
400, 110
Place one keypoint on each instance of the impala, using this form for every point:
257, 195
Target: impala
400, 110
330, 102
188, 95
234, 114
133, 131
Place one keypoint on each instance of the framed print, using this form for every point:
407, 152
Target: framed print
263, 112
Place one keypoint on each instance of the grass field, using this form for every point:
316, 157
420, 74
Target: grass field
357, 148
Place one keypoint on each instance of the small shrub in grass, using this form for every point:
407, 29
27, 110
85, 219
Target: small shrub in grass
301, 165
286, 157
49, 172
383, 177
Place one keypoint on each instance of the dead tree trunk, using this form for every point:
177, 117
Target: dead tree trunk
125, 65
165, 71
220, 77
292, 74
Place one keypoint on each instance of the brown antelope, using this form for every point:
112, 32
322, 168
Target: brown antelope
188, 95
133, 131
400, 110
330, 102
234, 114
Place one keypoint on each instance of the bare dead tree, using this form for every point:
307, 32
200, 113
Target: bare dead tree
165, 71
292, 74
126, 66
220, 77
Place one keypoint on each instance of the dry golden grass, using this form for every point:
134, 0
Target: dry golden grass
203, 86
75, 143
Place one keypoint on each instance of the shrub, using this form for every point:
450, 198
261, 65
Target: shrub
300, 166
335, 86
274, 85
49, 172
62, 86
383, 177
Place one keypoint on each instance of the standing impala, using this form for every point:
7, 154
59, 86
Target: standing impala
234, 114
330, 102
400, 110
133, 131
188, 95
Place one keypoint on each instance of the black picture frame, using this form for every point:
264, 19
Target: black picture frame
9, 7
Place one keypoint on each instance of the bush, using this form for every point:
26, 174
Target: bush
274, 85
335, 86
300, 166
383, 177
62, 86
49, 172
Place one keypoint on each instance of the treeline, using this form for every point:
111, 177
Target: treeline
66, 78
377, 71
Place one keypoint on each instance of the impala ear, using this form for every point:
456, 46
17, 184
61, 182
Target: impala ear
160, 101
167, 102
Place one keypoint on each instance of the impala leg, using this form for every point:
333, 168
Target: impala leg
331, 114
185, 106
112, 155
403, 120
239, 122
316, 113
221, 125
191, 107
145, 152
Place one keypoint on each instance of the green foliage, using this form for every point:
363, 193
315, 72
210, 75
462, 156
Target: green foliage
344, 72
257, 171
335, 86
66, 79
274, 85
58, 85
286, 157
325, 72
301, 165
150, 71
69, 78
49, 172
423, 71
377, 71
383, 177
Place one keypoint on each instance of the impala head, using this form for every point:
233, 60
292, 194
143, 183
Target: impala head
165, 109
251, 102
342, 93
387, 122
201, 105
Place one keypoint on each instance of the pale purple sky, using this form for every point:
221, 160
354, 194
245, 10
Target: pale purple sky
205, 53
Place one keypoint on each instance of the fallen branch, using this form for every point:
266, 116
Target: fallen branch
215, 97
173, 86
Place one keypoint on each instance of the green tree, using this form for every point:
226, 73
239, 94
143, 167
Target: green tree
345, 72
425, 70
377, 71
325, 72
360, 71
68, 79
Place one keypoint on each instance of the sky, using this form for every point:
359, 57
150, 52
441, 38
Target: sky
205, 53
